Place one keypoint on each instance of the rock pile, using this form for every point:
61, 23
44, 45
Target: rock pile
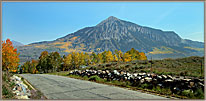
174, 83
20, 89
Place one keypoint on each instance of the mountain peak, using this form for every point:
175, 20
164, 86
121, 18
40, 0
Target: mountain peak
110, 20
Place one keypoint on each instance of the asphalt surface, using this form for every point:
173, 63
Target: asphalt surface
59, 87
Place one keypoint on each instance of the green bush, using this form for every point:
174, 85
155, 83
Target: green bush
115, 82
142, 70
199, 93
128, 84
166, 91
144, 85
4, 77
85, 77
7, 86
12, 84
188, 93
157, 88
94, 68
4, 90
94, 78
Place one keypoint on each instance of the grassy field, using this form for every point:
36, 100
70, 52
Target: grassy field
190, 66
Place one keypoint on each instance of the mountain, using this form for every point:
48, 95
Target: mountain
16, 43
114, 33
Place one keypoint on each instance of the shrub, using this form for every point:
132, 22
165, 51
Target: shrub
135, 67
12, 84
166, 91
144, 85
127, 65
4, 90
199, 93
7, 86
94, 68
188, 93
142, 70
94, 78
85, 77
157, 88
115, 82
123, 84
5, 78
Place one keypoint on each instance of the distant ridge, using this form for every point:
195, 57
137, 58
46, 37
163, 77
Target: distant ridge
16, 43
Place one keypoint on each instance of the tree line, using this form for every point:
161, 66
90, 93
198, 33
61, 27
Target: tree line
52, 62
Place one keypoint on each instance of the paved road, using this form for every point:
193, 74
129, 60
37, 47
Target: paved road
59, 87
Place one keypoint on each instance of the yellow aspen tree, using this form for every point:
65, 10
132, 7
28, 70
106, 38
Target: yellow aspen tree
87, 59
127, 57
82, 59
115, 58
100, 58
68, 62
109, 56
142, 56
94, 58
76, 60
34, 64
120, 56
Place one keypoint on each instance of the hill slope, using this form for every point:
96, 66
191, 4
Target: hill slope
114, 33
16, 43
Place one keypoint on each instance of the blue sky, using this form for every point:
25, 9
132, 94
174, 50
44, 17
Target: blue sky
29, 22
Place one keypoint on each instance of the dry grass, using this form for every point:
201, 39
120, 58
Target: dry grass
197, 49
163, 50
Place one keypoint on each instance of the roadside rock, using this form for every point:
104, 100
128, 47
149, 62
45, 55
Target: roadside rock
20, 89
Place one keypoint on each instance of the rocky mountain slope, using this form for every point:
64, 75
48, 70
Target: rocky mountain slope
114, 33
